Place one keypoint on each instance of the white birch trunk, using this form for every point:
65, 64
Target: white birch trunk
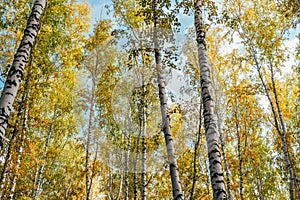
16, 71
210, 119
176, 185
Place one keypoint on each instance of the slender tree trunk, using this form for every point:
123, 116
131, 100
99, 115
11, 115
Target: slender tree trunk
127, 169
225, 162
226, 166
68, 182
14, 181
16, 71
210, 121
120, 187
20, 148
137, 161
41, 169
121, 179
7, 161
93, 166
22, 110
259, 184
144, 181
89, 131
283, 136
238, 133
207, 181
280, 128
144, 143
196, 153
240, 168
176, 186
277, 126
222, 141
111, 182
87, 174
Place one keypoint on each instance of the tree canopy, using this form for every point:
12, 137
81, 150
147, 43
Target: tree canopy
156, 99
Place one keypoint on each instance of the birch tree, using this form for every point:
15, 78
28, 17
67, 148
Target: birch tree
176, 186
267, 54
210, 121
21, 58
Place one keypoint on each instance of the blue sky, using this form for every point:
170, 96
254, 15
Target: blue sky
99, 11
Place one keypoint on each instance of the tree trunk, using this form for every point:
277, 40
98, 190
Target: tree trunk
176, 186
279, 127
144, 144
259, 183
20, 150
196, 153
111, 182
226, 164
93, 166
88, 184
238, 133
7, 161
240, 167
16, 71
41, 169
127, 168
283, 137
121, 179
210, 121
14, 181
207, 182
135, 197
22, 115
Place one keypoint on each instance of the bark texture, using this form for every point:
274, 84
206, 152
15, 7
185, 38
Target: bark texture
17, 141
176, 185
225, 163
21, 58
210, 119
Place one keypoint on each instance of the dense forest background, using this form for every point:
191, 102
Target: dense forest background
150, 99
